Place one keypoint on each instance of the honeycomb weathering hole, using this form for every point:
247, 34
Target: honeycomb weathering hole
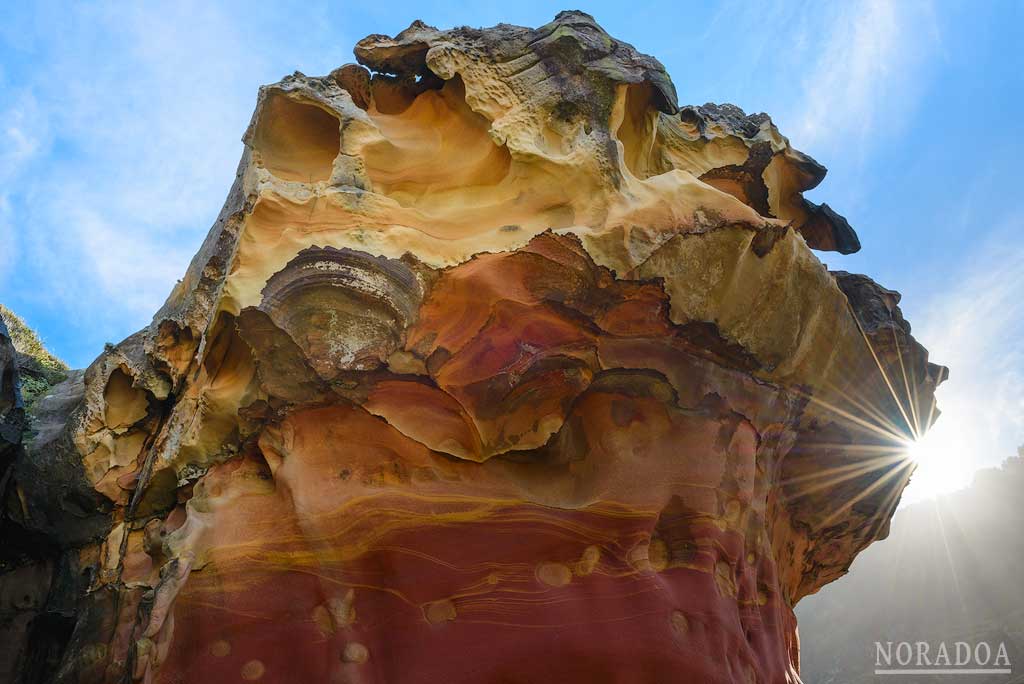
634, 123
297, 141
436, 145
125, 404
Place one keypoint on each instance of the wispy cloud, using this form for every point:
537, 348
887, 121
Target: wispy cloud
975, 326
866, 75
838, 77
138, 162
119, 142
20, 136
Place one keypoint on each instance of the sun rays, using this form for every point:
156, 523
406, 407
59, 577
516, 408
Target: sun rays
884, 439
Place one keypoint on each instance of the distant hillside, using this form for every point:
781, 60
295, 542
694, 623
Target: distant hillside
38, 368
951, 570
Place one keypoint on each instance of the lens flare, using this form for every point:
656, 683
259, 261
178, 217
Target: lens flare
941, 463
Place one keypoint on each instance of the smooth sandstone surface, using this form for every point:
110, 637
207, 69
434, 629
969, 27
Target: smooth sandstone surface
497, 366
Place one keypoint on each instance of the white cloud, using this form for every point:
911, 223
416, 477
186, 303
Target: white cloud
868, 61
131, 156
156, 140
120, 142
9, 240
134, 270
20, 140
976, 328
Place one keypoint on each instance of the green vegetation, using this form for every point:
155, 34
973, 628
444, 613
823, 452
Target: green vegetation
39, 369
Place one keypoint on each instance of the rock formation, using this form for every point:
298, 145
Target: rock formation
497, 366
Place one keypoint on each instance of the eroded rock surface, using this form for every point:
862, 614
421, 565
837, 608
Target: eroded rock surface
497, 366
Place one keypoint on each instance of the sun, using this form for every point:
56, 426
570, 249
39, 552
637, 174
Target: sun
941, 461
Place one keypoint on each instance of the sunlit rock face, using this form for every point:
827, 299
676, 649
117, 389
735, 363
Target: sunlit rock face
497, 366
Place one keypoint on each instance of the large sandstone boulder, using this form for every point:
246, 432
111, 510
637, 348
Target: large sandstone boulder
497, 366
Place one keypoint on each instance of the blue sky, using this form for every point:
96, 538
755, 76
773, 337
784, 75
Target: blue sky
120, 128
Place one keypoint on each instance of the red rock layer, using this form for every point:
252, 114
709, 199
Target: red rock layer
629, 543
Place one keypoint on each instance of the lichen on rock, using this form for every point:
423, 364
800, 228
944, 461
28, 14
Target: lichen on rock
491, 343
